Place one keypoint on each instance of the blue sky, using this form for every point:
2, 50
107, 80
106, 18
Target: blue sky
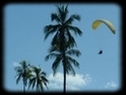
24, 40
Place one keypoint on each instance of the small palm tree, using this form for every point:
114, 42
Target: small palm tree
23, 72
38, 79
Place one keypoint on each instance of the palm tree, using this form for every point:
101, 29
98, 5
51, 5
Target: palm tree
54, 52
23, 72
62, 32
38, 79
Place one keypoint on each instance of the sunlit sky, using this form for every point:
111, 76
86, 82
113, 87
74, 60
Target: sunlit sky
24, 40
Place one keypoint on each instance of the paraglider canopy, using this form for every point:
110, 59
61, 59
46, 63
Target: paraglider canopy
98, 22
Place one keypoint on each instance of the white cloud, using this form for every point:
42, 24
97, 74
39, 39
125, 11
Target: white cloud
111, 84
72, 82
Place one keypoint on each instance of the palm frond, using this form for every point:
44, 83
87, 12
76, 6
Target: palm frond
51, 55
18, 78
52, 49
74, 52
69, 68
38, 85
66, 9
43, 73
30, 83
72, 18
33, 82
59, 10
41, 86
46, 85
55, 17
50, 29
77, 17
73, 61
56, 64
36, 70
18, 69
55, 48
44, 79
75, 29
71, 40
23, 64
62, 12
55, 39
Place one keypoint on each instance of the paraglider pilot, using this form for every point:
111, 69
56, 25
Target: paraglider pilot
100, 52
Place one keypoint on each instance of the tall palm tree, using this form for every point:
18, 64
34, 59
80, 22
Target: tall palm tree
23, 72
38, 79
54, 52
62, 31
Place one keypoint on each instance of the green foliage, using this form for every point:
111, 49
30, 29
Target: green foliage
63, 41
31, 75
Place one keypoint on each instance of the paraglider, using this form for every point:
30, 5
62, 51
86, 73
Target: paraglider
98, 22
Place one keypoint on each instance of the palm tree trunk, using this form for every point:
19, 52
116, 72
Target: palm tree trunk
24, 85
24, 81
24, 89
64, 61
64, 86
